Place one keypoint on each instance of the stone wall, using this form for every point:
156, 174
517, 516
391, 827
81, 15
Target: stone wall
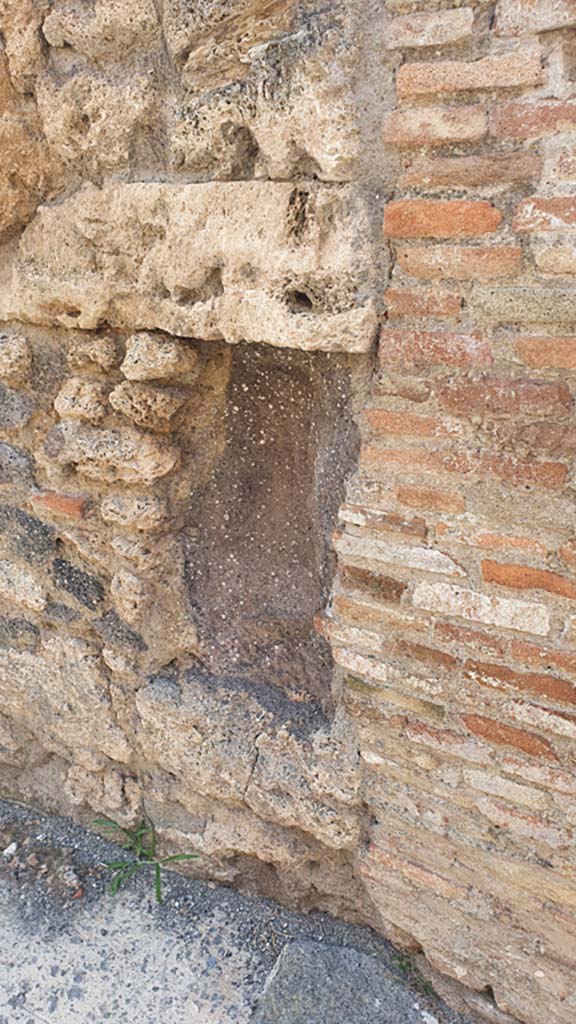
210, 353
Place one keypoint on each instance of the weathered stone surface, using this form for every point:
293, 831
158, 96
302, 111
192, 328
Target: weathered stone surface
117, 633
156, 357
16, 466
82, 400
62, 696
134, 511
146, 406
20, 586
15, 408
243, 261
131, 596
15, 358
95, 352
317, 984
115, 454
83, 586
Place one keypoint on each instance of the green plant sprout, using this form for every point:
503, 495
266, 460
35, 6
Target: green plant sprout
141, 842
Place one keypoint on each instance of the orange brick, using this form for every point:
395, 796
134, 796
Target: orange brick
429, 29
539, 214
506, 542
508, 736
404, 423
471, 171
503, 396
545, 658
411, 349
509, 71
475, 638
376, 461
533, 120
500, 677
380, 521
514, 472
431, 498
547, 353
431, 218
466, 263
523, 577
72, 506
429, 126
446, 741
422, 302
385, 587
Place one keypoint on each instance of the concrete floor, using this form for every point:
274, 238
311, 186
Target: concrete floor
70, 953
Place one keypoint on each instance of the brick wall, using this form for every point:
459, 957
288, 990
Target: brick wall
454, 618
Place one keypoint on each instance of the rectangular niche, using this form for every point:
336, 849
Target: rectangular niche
258, 536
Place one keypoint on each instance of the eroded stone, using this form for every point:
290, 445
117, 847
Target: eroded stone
156, 357
82, 400
111, 455
15, 358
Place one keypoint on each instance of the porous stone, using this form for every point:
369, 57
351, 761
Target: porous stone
95, 352
16, 408
157, 357
111, 455
139, 512
146, 406
19, 634
15, 358
82, 400
243, 261
116, 633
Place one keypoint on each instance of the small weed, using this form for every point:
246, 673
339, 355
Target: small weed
141, 842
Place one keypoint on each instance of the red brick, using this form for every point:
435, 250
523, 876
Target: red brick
546, 658
523, 577
429, 126
384, 587
500, 676
541, 214
533, 120
431, 498
427, 655
403, 423
471, 171
430, 29
466, 263
514, 472
508, 736
547, 353
411, 349
474, 638
422, 302
445, 740
503, 397
431, 218
72, 506
508, 71
545, 436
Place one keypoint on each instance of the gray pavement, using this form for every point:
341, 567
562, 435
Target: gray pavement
70, 953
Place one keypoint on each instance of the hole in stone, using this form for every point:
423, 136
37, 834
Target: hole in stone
299, 302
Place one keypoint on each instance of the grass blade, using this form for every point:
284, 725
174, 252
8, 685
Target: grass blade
179, 856
158, 882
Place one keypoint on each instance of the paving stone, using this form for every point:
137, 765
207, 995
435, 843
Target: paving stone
317, 984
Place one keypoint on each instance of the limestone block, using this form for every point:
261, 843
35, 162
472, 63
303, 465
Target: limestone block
242, 261
82, 400
111, 455
104, 29
153, 357
90, 122
20, 22
134, 511
62, 696
15, 358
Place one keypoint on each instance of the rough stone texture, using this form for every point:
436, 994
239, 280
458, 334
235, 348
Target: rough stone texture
210, 212
244, 262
